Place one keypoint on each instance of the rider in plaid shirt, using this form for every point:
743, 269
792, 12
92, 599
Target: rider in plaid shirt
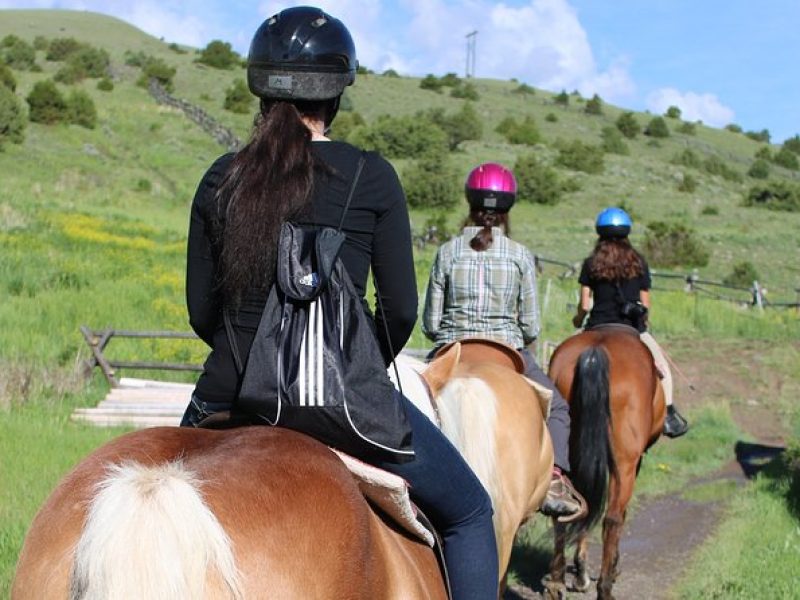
482, 294
483, 284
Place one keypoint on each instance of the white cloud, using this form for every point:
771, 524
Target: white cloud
541, 43
694, 107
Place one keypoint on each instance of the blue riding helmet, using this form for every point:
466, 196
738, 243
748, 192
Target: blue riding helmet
613, 223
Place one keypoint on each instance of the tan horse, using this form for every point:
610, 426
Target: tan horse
169, 513
617, 409
495, 418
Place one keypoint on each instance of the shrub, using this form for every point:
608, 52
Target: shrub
390, 73
60, 48
786, 158
432, 83
657, 128
759, 169
793, 144
673, 112
238, 98
461, 126
628, 125
742, 275
219, 55
709, 210
764, 153
176, 48
733, 127
526, 132
537, 182
673, 245
17, 53
105, 85
524, 89
143, 185
687, 158
687, 128
775, 195
12, 118
402, 137
714, 165
594, 106
759, 136
69, 74
613, 141
363, 70
345, 124
432, 182
81, 110
687, 184
155, 68
551, 118
137, 59
450, 80
7, 79
93, 61
465, 90
562, 98
46, 104
579, 156
41, 43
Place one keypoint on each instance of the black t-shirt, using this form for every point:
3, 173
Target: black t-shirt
607, 297
378, 236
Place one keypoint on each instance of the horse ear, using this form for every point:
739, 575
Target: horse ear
440, 370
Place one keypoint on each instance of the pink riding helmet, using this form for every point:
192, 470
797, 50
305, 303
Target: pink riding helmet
490, 186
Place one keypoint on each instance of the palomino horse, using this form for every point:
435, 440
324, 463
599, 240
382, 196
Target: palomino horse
168, 513
496, 419
617, 410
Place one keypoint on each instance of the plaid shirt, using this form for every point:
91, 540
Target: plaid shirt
490, 294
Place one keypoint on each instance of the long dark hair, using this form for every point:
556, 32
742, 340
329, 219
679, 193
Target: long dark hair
615, 259
486, 219
269, 181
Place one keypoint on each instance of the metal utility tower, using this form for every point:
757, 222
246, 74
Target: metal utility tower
470, 72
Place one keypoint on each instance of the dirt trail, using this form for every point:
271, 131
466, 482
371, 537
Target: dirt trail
662, 534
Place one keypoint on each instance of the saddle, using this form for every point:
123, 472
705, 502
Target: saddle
476, 349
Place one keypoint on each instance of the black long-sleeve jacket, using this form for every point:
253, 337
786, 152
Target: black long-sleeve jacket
378, 237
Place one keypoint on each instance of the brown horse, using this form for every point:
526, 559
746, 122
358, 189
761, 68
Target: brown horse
187, 513
253, 512
617, 409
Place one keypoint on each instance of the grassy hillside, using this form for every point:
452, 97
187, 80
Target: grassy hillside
94, 220
93, 229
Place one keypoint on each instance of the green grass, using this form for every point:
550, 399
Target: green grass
756, 551
83, 241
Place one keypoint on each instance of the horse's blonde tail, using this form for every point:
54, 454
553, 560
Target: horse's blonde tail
149, 534
468, 411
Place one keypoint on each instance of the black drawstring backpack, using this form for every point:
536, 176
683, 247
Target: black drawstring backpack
315, 365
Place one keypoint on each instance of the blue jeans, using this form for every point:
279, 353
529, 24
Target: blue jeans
448, 492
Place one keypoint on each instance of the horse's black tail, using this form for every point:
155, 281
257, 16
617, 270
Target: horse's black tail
590, 450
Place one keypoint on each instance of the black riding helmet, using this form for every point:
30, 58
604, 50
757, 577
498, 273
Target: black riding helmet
301, 53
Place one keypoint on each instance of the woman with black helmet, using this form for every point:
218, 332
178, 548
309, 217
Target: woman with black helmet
615, 288
300, 62
483, 284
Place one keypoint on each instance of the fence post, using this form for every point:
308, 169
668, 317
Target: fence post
690, 281
758, 299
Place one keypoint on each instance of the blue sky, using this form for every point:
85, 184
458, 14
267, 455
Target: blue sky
720, 61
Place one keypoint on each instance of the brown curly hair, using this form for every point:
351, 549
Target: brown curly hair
615, 259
